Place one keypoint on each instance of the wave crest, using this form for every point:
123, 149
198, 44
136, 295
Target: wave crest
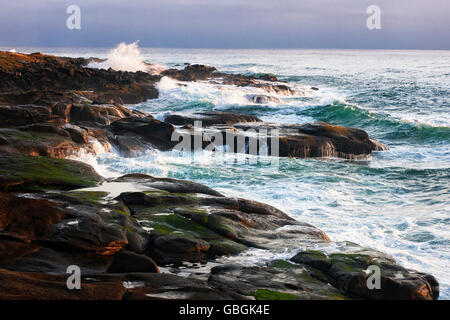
125, 57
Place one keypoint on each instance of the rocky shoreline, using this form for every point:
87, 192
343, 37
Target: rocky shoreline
132, 235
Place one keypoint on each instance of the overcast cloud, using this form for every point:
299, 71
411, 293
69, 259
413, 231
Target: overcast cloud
406, 24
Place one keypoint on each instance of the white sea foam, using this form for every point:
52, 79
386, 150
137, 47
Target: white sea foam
127, 57
167, 84
224, 96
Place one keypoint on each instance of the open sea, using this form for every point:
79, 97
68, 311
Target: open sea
398, 201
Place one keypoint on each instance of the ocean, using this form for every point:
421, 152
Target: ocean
397, 201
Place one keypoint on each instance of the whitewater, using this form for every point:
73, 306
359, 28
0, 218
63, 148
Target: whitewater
398, 201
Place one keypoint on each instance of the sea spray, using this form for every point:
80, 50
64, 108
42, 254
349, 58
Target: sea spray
125, 57
167, 84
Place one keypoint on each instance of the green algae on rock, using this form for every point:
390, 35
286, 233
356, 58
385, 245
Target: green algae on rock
19, 172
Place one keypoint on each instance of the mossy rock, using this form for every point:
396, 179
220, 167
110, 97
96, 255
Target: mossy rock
93, 197
222, 226
189, 223
222, 247
266, 294
351, 262
282, 264
314, 259
176, 224
20, 172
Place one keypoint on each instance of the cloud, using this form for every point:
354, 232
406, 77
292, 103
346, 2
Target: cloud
229, 23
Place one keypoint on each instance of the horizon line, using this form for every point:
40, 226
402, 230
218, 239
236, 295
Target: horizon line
225, 48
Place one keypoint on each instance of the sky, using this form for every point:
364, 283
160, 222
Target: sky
405, 24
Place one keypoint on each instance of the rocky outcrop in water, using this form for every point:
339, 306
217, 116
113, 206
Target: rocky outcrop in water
43, 79
52, 106
301, 141
122, 232
132, 235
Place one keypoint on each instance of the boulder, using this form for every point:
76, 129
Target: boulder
275, 280
128, 261
192, 72
152, 131
24, 172
347, 271
196, 227
210, 118
318, 139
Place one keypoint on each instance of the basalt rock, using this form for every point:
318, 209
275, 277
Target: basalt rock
275, 280
266, 82
244, 134
74, 108
302, 141
315, 140
26, 172
167, 184
128, 261
192, 72
145, 130
347, 271
60, 130
131, 286
127, 224
210, 118
69, 105
22, 74
196, 226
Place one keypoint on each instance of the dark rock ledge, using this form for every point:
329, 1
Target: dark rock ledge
53, 106
122, 239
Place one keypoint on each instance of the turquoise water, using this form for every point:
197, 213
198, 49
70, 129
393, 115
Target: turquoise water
397, 201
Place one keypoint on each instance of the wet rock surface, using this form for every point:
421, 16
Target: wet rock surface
134, 236
53, 106
22, 76
347, 271
123, 231
318, 139
211, 118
